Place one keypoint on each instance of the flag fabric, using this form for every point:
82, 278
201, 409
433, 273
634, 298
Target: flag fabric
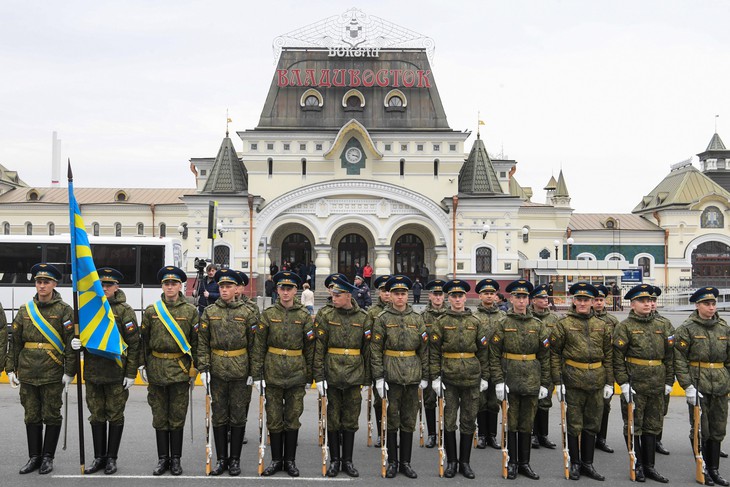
97, 329
481, 122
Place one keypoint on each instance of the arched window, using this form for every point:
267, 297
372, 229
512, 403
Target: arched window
304, 166
140, 228
402, 169
712, 217
353, 101
95, 229
545, 254
270, 163
435, 168
28, 228
6, 228
409, 256
484, 260
117, 229
645, 265
163, 230
311, 100
222, 255
395, 101
51, 228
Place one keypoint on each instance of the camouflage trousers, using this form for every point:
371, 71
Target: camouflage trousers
546, 403
488, 400
169, 405
106, 402
402, 407
230, 400
343, 408
521, 413
713, 422
284, 406
429, 397
583, 410
42, 404
464, 402
648, 413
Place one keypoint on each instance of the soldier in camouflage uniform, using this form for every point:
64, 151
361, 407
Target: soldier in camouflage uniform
702, 365
42, 368
434, 309
459, 369
341, 366
540, 309
488, 414
281, 369
581, 365
224, 343
107, 384
519, 361
599, 311
399, 360
669, 331
643, 353
250, 304
168, 365
373, 312
3, 338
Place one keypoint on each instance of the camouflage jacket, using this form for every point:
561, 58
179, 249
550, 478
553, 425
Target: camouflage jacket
699, 341
339, 328
36, 366
549, 318
431, 314
250, 304
459, 332
156, 338
226, 327
607, 318
490, 316
399, 331
284, 329
374, 310
3, 339
520, 335
100, 370
587, 340
643, 338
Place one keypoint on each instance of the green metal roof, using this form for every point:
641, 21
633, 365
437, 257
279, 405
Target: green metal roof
228, 174
477, 175
682, 187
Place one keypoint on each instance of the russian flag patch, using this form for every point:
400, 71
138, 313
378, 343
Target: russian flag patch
68, 325
424, 335
310, 335
484, 340
130, 326
670, 339
546, 343
367, 334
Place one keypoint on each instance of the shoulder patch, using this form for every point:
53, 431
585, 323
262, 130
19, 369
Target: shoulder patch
424, 336
310, 335
68, 325
495, 338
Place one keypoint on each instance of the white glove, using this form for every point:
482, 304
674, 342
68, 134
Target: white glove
143, 374
260, 385
13, 380
381, 386
667, 390
66, 380
543, 393
625, 391
483, 385
76, 344
607, 391
205, 379
249, 381
692, 394
560, 389
127, 383
321, 387
500, 389
437, 386
423, 384
365, 389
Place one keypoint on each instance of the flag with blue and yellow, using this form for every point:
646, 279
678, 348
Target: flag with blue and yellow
97, 329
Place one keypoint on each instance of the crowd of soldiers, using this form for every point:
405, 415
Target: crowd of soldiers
471, 363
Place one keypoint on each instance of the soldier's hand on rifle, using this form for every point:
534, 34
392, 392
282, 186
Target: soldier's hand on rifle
143, 374
321, 387
542, 394
66, 380
76, 344
127, 382
436, 385
423, 384
500, 389
381, 386
560, 389
259, 385
667, 389
13, 380
205, 379
249, 380
607, 391
625, 391
692, 394
483, 385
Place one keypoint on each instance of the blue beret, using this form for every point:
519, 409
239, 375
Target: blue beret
398, 282
640, 291
487, 285
704, 294
519, 286
107, 274
286, 278
46, 271
171, 273
227, 275
435, 286
585, 289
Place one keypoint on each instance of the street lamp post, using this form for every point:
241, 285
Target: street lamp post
557, 243
570, 242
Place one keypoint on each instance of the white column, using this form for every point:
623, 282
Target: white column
323, 263
382, 260
442, 261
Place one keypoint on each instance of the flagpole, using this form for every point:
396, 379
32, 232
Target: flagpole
74, 279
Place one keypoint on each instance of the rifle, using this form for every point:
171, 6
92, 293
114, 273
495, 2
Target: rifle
370, 415
208, 447
564, 429
420, 417
505, 427
190, 402
630, 434
319, 421
65, 418
696, 436
262, 429
384, 433
323, 433
440, 432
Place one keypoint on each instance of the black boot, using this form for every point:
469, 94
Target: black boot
451, 458
220, 437
333, 437
348, 445
176, 443
648, 454
482, 420
276, 440
290, 452
50, 441
163, 452
406, 447
34, 433
574, 453
543, 423
523, 460
587, 450
392, 470
492, 419
512, 448
98, 435
115, 439
659, 447
465, 456
707, 457
238, 433
639, 470
431, 426
535, 431
601, 437
714, 450
378, 408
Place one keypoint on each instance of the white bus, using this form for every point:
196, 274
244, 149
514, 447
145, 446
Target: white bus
138, 258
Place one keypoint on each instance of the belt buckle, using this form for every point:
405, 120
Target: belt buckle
225, 353
524, 357
39, 346
346, 351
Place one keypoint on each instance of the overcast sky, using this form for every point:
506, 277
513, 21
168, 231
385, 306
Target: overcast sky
612, 92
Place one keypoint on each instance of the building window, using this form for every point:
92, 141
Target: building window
304, 166
402, 167
95, 229
645, 265
387, 148
353, 101
435, 168
404, 147
484, 260
395, 101
286, 146
437, 147
51, 228
502, 174
545, 254
28, 228
610, 224
311, 101
452, 147
140, 228
222, 255
163, 230
120, 196
33, 196
269, 146
117, 229
254, 146
6, 228
419, 147
303, 147
203, 172
270, 162
712, 217
318, 146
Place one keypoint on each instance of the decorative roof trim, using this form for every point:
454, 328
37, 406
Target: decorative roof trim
399, 94
351, 93
342, 138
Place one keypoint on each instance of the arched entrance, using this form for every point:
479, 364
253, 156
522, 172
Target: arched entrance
296, 249
409, 259
351, 249
711, 264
